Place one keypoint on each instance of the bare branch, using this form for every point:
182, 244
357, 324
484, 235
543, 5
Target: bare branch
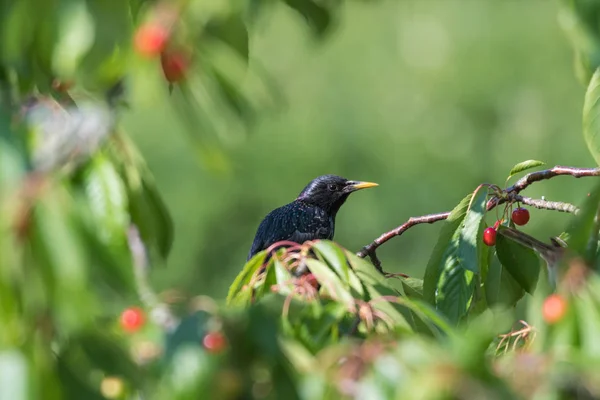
371, 248
548, 205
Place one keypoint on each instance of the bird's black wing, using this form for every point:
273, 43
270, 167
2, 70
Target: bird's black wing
294, 222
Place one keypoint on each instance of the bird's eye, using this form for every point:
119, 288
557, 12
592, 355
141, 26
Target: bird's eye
332, 187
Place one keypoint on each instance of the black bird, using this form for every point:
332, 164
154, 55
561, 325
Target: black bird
311, 216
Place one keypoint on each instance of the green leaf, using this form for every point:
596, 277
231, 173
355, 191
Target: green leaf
232, 31
523, 166
376, 286
591, 113
455, 288
471, 231
57, 247
245, 276
107, 197
106, 62
580, 229
519, 261
162, 229
430, 317
270, 279
448, 283
281, 273
317, 16
105, 353
449, 227
74, 385
75, 37
500, 287
331, 282
579, 19
146, 206
589, 323
413, 288
334, 256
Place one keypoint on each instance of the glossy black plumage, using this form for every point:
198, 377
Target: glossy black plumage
311, 216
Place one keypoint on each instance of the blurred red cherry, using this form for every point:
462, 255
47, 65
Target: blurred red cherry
132, 319
174, 65
214, 342
151, 39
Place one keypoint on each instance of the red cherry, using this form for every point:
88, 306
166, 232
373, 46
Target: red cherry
174, 65
489, 236
150, 39
520, 216
554, 308
214, 342
132, 319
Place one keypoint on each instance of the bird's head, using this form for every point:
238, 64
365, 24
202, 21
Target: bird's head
330, 191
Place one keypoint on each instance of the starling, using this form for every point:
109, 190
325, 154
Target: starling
311, 216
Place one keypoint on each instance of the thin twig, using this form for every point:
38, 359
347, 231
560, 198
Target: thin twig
372, 247
159, 311
548, 205
510, 194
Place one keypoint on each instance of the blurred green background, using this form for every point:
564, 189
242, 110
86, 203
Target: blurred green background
427, 98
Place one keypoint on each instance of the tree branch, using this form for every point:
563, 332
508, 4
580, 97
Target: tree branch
537, 176
548, 205
510, 194
371, 248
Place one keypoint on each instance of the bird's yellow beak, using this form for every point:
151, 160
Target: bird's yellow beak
362, 185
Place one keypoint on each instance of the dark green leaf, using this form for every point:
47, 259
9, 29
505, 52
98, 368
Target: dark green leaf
455, 288
581, 228
500, 287
74, 385
519, 261
163, 228
146, 207
231, 30
317, 16
106, 354
111, 266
